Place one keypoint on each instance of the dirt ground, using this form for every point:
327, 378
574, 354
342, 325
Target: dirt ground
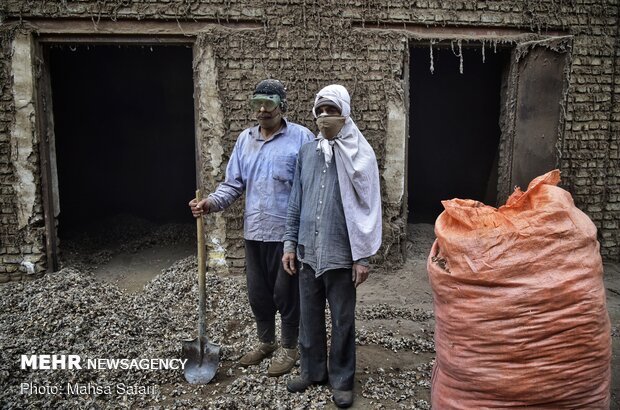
406, 287
141, 296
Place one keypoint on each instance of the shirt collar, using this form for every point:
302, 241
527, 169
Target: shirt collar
255, 132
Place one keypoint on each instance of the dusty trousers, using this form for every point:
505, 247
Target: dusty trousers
271, 290
336, 287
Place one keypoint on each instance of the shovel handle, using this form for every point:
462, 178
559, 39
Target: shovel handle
201, 272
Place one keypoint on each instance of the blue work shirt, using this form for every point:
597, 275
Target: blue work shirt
315, 219
264, 169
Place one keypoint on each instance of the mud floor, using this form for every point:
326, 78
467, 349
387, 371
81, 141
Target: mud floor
131, 293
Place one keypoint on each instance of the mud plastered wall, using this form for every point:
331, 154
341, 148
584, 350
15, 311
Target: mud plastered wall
309, 44
590, 154
21, 218
8, 217
306, 60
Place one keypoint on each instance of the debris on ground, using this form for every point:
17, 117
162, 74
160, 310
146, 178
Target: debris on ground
73, 312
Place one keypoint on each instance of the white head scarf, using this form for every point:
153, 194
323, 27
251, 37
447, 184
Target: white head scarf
358, 176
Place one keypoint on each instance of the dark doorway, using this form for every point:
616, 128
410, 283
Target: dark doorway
124, 132
454, 128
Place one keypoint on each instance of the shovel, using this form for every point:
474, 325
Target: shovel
202, 356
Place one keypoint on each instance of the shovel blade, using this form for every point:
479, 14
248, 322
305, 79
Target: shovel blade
202, 360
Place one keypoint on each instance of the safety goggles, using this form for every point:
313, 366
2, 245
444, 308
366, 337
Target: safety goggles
267, 101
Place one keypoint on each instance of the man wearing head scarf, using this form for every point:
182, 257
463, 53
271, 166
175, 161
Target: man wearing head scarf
262, 164
333, 226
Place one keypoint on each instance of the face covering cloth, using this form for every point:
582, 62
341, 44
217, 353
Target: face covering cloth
329, 127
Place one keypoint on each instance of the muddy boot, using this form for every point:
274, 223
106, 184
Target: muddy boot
283, 361
260, 352
300, 384
343, 398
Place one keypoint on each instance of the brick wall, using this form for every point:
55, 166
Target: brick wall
244, 58
612, 204
8, 219
22, 245
362, 45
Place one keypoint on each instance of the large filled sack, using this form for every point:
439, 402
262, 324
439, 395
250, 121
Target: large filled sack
519, 299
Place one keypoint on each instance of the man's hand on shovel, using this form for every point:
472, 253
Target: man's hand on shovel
199, 208
202, 357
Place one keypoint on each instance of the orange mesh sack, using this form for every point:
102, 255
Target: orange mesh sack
521, 316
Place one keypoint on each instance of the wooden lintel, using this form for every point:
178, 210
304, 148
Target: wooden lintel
187, 29
146, 28
422, 31
115, 39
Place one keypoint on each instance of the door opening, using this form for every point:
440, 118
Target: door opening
454, 128
124, 138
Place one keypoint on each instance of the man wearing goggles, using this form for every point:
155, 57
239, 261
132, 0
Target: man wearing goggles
262, 164
266, 102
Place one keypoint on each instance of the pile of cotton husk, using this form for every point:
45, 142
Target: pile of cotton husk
72, 312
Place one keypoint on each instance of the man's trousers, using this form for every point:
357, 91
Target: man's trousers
271, 290
338, 289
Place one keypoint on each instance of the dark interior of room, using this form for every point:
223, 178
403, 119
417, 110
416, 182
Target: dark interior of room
454, 128
124, 131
